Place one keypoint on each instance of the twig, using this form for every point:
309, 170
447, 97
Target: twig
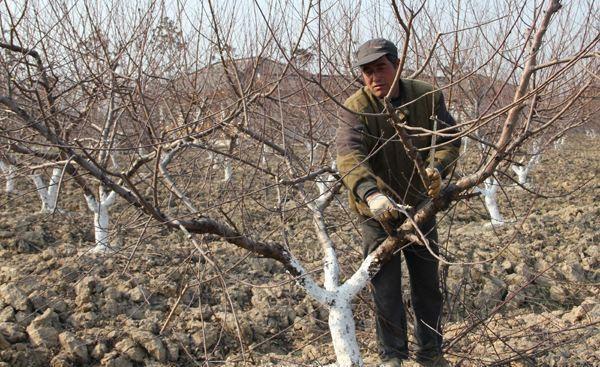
162, 329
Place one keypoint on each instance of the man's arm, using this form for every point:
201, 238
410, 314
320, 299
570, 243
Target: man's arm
445, 155
353, 149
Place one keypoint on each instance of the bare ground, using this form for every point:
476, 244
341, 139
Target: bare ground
530, 298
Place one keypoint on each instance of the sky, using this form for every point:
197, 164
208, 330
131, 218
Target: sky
332, 26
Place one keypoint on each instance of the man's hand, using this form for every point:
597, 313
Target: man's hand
383, 208
435, 182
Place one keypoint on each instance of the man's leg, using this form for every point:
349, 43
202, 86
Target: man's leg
387, 295
426, 294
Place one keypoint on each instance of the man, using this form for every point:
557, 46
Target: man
378, 174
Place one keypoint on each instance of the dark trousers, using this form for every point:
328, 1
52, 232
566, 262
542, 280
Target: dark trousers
426, 295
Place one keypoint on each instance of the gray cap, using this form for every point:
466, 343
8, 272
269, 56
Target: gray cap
374, 49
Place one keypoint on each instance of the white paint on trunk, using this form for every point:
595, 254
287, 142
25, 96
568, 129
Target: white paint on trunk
338, 301
48, 193
337, 298
219, 161
489, 193
228, 170
101, 218
331, 266
263, 157
310, 148
559, 142
10, 172
319, 294
358, 280
343, 334
41, 188
341, 320
523, 170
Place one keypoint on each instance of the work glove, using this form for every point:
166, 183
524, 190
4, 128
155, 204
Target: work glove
382, 207
435, 182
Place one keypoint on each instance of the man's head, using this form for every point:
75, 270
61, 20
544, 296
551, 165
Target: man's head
378, 62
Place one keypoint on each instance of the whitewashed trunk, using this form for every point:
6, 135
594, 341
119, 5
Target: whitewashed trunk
336, 297
101, 229
48, 193
343, 334
10, 173
218, 162
492, 208
489, 193
101, 219
559, 142
263, 157
53, 187
41, 189
522, 172
228, 170
338, 302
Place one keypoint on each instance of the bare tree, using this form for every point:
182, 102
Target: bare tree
134, 104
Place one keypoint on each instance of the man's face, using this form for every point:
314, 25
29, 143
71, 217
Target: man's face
379, 76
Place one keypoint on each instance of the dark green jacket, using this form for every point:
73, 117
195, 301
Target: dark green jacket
369, 159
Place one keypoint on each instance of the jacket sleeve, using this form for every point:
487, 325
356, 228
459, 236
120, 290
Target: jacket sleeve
353, 148
447, 154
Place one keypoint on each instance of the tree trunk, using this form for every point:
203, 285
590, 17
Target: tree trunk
489, 194
101, 218
343, 334
10, 173
48, 193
